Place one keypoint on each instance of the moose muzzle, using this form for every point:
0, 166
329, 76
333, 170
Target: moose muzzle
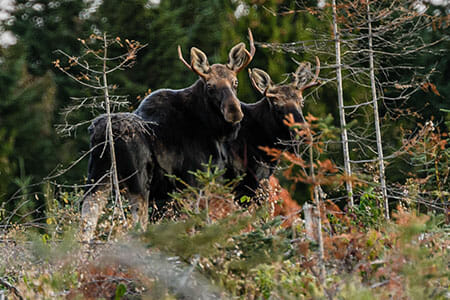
231, 110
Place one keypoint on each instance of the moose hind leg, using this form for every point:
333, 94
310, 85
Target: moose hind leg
93, 205
139, 209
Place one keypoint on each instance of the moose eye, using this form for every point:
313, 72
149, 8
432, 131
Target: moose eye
210, 89
235, 84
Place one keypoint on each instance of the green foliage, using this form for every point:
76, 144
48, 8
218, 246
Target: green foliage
268, 27
368, 211
24, 203
120, 291
247, 255
433, 98
41, 27
194, 236
163, 26
286, 280
7, 167
43, 24
49, 249
210, 184
226, 249
62, 213
28, 104
428, 177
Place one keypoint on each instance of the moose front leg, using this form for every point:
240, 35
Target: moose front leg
93, 205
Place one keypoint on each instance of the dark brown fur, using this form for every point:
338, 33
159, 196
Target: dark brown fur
263, 125
183, 130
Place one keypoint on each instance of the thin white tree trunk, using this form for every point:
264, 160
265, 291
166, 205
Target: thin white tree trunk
318, 215
376, 118
110, 136
319, 234
344, 136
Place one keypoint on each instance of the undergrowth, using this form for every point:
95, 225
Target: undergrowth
214, 249
246, 254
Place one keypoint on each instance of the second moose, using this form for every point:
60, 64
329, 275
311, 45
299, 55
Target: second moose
263, 126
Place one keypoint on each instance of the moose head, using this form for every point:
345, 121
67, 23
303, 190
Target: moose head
220, 80
286, 99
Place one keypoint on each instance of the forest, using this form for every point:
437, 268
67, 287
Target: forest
354, 204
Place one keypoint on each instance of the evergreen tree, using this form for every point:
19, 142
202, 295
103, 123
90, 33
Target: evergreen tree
44, 26
27, 109
162, 27
271, 25
434, 98
33, 92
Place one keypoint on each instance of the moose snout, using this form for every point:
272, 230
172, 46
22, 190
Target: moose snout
295, 110
298, 117
232, 112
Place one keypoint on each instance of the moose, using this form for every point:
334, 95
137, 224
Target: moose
172, 132
263, 126
132, 145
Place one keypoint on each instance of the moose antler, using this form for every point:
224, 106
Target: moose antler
180, 56
249, 54
314, 81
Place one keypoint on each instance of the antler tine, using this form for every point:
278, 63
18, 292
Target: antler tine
314, 81
252, 44
180, 56
249, 54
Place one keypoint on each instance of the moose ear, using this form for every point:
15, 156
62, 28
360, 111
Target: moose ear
199, 62
238, 57
260, 80
302, 75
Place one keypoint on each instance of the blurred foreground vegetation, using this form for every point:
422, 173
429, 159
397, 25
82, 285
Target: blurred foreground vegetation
246, 254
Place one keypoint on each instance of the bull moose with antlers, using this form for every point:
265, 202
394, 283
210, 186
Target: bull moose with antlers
177, 131
263, 126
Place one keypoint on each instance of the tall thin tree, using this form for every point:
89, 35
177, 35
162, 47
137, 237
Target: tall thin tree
340, 95
91, 70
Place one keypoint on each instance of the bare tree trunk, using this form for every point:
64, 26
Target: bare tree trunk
318, 215
319, 234
376, 118
110, 136
343, 124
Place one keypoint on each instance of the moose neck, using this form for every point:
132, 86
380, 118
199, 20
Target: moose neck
262, 127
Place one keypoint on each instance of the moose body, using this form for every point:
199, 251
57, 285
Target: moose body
182, 130
263, 126
179, 145
259, 128
133, 139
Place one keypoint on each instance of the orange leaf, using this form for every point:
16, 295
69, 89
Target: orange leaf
310, 118
275, 153
424, 87
327, 165
294, 159
434, 89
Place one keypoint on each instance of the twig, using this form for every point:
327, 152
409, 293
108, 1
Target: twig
378, 284
11, 287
